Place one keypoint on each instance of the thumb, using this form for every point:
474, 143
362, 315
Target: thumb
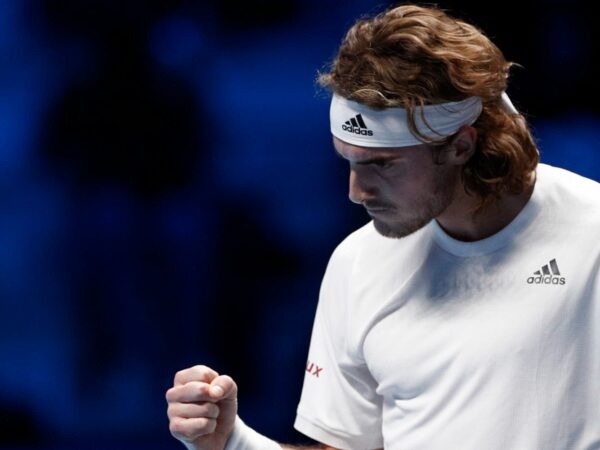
223, 388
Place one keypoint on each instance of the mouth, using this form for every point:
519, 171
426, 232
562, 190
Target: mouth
376, 211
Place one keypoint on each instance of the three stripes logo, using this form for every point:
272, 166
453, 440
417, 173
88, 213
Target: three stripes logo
357, 125
548, 274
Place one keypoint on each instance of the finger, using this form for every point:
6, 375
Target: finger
190, 429
196, 373
194, 391
193, 410
223, 388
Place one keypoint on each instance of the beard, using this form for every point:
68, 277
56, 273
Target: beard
422, 211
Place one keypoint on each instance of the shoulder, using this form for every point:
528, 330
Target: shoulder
365, 256
343, 258
369, 247
355, 242
574, 196
568, 182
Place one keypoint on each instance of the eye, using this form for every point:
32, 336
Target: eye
383, 163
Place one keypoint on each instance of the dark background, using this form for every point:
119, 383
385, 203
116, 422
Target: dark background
169, 196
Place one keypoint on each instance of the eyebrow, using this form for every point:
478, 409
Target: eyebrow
373, 160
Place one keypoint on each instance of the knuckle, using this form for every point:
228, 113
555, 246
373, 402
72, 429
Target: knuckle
169, 395
172, 411
202, 423
207, 374
178, 375
201, 370
176, 427
213, 410
202, 389
230, 381
205, 425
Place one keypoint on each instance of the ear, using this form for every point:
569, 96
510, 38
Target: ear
462, 146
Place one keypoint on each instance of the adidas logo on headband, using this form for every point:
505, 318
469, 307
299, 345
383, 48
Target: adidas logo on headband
357, 125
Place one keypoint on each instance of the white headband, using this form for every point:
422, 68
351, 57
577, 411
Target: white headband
507, 104
359, 125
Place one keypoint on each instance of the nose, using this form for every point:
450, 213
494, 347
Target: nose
359, 189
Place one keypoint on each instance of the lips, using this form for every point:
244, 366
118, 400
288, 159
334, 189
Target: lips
375, 206
377, 211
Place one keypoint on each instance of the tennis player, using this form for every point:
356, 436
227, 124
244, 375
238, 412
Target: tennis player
466, 314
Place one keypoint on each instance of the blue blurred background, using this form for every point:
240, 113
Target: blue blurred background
169, 196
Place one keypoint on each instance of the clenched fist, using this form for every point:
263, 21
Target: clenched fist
202, 408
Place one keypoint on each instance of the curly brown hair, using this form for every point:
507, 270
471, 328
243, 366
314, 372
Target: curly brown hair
410, 56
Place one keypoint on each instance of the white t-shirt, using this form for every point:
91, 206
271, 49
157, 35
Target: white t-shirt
429, 343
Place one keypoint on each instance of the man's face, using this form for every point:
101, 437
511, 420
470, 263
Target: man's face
402, 189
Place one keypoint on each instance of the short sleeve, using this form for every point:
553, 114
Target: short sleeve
339, 405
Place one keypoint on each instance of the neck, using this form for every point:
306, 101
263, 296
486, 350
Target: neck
460, 222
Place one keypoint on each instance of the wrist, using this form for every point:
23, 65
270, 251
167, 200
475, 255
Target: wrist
245, 438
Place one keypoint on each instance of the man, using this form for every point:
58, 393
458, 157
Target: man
479, 329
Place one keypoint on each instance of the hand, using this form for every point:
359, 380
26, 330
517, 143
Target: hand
202, 408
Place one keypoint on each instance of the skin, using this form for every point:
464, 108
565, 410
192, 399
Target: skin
402, 190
